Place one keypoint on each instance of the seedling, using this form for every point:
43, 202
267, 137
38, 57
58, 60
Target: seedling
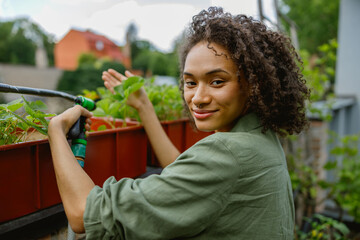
166, 100
11, 121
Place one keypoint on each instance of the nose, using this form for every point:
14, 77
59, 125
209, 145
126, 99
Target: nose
201, 95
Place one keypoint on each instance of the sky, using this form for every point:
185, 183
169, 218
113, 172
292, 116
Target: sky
158, 21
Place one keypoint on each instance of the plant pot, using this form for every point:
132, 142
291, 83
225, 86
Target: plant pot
174, 129
181, 134
27, 178
109, 123
192, 135
117, 152
19, 182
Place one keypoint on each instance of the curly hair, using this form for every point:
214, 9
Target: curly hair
267, 59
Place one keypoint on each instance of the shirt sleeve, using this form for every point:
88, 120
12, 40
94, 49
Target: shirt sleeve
185, 199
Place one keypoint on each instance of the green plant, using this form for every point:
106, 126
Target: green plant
323, 228
87, 74
166, 100
114, 105
303, 177
15, 126
319, 72
345, 188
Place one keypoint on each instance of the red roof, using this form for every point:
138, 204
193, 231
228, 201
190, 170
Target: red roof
109, 47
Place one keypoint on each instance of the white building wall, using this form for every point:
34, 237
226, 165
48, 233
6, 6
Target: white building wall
348, 57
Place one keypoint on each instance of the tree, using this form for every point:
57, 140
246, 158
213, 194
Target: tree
148, 59
87, 75
317, 21
19, 40
87, 59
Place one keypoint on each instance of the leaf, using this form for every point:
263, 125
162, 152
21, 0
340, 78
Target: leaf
34, 112
114, 108
119, 92
15, 105
41, 130
101, 128
330, 165
38, 105
99, 112
103, 104
337, 151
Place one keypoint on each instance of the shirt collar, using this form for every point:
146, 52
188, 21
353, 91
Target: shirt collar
247, 123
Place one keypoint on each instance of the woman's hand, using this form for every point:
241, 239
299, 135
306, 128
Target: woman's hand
113, 78
73, 183
165, 151
67, 119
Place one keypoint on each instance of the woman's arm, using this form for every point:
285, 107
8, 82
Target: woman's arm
73, 182
164, 149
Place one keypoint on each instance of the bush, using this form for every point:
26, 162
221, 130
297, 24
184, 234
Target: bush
86, 76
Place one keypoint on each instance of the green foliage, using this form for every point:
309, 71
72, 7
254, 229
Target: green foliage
74, 81
345, 190
324, 228
87, 75
11, 121
87, 59
166, 100
319, 72
317, 21
19, 39
114, 105
303, 178
146, 58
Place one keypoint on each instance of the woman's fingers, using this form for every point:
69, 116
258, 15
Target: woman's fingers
65, 120
84, 112
128, 73
109, 87
107, 77
117, 75
112, 78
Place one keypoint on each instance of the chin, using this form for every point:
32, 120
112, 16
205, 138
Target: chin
203, 128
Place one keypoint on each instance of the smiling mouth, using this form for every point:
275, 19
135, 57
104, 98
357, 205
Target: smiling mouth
203, 114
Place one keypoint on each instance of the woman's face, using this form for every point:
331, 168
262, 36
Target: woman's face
215, 97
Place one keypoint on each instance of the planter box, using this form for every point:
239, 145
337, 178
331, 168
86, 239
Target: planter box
27, 178
192, 135
117, 152
175, 130
181, 134
110, 124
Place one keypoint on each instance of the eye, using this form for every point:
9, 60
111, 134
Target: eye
217, 82
190, 83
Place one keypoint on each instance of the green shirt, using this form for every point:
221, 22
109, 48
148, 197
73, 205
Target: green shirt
232, 185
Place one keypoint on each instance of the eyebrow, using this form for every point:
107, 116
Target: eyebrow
217, 70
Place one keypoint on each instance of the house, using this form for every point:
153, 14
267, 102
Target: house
75, 43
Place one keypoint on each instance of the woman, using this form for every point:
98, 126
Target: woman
238, 79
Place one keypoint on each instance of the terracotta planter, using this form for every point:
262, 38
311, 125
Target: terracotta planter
19, 179
175, 130
109, 123
192, 136
182, 136
27, 178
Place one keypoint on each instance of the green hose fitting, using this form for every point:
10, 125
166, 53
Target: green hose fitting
85, 102
78, 147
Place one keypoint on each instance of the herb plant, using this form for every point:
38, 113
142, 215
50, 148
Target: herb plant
114, 105
15, 126
166, 100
